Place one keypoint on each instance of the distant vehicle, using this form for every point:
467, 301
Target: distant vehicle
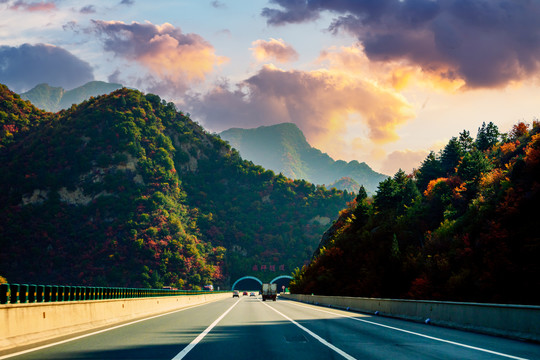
236, 294
208, 287
252, 294
269, 291
244, 293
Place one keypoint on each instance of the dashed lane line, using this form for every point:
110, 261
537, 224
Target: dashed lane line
320, 339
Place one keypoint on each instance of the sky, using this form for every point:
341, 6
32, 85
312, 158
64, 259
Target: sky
379, 81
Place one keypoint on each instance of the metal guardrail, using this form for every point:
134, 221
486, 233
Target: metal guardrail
29, 293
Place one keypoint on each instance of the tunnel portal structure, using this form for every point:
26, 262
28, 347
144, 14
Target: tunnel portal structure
252, 283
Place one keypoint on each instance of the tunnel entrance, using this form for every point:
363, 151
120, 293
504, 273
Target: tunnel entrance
282, 282
247, 283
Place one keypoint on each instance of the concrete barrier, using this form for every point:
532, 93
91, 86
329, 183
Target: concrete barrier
23, 324
514, 321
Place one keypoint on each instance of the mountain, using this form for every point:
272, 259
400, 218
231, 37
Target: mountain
346, 183
125, 190
463, 228
283, 148
54, 99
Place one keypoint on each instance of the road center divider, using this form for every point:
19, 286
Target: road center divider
24, 324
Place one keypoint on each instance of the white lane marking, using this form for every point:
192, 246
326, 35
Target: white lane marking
324, 342
95, 333
191, 345
415, 333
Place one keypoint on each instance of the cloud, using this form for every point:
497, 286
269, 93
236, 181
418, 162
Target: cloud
23, 67
406, 160
33, 6
170, 55
296, 11
274, 49
218, 4
483, 43
321, 103
127, 2
88, 9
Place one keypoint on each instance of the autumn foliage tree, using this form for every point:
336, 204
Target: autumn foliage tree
464, 228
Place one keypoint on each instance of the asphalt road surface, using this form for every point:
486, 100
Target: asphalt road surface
246, 327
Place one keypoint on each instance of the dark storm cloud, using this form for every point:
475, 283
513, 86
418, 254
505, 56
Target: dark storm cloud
296, 11
486, 43
23, 67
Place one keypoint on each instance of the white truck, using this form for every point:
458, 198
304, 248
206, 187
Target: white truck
269, 291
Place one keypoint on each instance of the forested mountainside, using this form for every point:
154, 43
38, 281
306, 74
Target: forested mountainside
124, 190
17, 115
283, 148
53, 99
463, 227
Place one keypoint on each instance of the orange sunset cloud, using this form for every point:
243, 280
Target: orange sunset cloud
396, 74
320, 102
168, 53
274, 50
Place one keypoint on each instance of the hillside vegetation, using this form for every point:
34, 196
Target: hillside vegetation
17, 115
463, 227
124, 190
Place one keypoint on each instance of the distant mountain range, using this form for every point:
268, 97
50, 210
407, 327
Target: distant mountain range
54, 99
283, 148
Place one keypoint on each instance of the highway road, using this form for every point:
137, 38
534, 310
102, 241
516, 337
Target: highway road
250, 328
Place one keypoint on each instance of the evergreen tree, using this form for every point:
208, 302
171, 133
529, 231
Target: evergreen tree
466, 141
451, 156
429, 170
487, 136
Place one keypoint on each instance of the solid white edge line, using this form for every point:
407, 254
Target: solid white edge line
191, 345
95, 332
320, 339
415, 333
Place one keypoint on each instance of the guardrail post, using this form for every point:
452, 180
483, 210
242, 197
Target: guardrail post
48, 293
60, 293
23, 293
4, 293
14, 298
32, 293
54, 293
40, 293
67, 293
